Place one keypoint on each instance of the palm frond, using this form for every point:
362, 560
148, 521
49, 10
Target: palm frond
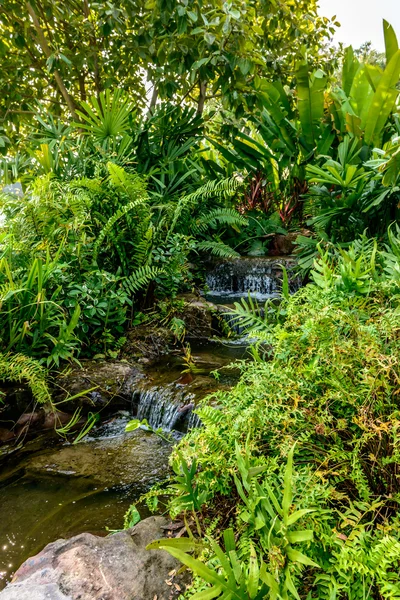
107, 116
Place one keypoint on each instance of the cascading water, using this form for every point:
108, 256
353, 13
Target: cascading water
262, 277
165, 407
259, 277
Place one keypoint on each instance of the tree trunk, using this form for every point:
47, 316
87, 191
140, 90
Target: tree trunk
202, 97
95, 48
153, 101
47, 52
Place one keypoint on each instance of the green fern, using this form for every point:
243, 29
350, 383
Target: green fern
140, 278
217, 249
218, 189
108, 229
18, 367
217, 216
130, 183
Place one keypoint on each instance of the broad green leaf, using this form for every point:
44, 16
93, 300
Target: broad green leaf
392, 169
298, 514
391, 44
295, 537
360, 95
299, 557
236, 566
290, 585
229, 540
353, 124
310, 92
254, 574
383, 101
213, 592
350, 68
269, 580
223, 559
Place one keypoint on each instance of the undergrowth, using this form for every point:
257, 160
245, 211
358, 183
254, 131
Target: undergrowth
306, 446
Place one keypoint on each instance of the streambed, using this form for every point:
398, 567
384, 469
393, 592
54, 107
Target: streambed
55, 491
51, 489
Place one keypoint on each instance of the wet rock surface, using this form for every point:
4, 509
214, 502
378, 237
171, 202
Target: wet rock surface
112, 380
49, 491
87, 567
109, 382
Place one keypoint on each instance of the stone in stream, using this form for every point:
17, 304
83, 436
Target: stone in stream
87, 567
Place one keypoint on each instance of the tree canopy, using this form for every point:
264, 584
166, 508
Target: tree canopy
60, 53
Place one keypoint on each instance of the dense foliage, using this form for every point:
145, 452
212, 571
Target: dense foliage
60, 53
321, 394
112, 200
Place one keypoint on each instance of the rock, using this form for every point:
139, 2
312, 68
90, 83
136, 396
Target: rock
28, 419
197, 315
112, 380
283, 244
6, 435
87, 567
120, 459
55, 419
148, 341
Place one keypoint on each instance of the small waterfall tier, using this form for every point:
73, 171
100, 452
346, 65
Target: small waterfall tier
165, 407
261, 277
166, 394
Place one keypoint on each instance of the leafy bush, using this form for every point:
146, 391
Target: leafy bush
329, 386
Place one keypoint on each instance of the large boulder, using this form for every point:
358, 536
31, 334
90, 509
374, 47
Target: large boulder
87, 567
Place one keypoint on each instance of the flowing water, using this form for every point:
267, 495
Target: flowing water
51, 489
261, 277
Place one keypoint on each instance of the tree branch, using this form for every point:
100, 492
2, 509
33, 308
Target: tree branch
47, 52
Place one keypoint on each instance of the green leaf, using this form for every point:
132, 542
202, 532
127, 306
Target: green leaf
213, 592
229, 540
195, 565
350, 68
299, 557
295, 537
199, 63
310, 102
254, 574
290, 585
182, 544
391, 44
383, 102
298, 514
287, 488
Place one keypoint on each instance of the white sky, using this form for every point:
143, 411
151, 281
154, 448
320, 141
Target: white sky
361, 20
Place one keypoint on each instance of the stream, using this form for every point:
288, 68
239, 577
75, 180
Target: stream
51, 489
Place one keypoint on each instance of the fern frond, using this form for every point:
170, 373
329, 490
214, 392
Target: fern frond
140, 278
143, 249
18, 367
219, 189
132, 184
109, 226
249, 316
215, 217
217, 249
